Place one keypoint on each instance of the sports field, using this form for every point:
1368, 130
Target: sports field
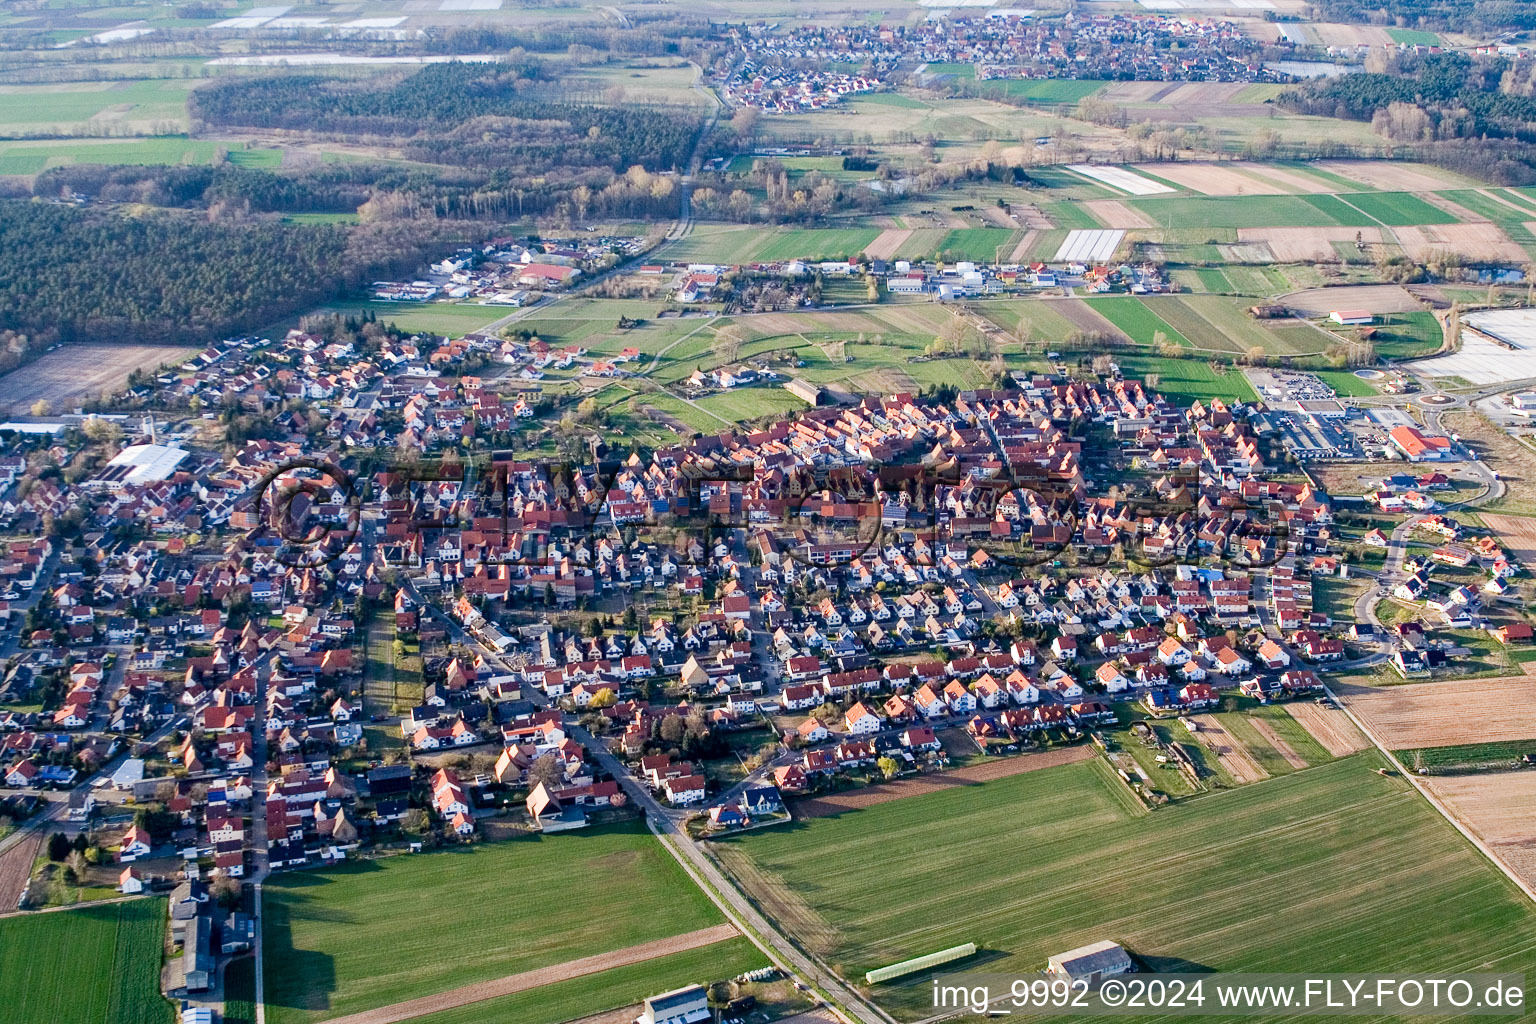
1326, 869
91, 965
448, 919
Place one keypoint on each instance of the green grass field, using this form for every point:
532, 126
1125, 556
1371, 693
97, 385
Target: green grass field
1050, 90
89, 965
606, 990
1306, 211
750, 403
1188, 378
71, 105
1329, 869
1408, 335
979, 244
445, 318
816, 243
1347, 384
31, 156
1467, 754
456, 917
735, 244
1414, 37
1136, 319
1398, 208
1071, 216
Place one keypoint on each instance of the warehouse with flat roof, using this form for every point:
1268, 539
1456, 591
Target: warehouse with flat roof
139, 464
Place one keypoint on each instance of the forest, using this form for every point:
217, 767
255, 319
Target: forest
471, 115
1475, 16
1450, 108
81, 274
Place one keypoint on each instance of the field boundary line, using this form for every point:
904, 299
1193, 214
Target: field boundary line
81, 905
1434, 801
510, 984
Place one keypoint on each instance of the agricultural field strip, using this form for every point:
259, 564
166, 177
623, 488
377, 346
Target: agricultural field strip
1122, 179
540, 977
1287, 844
1095, 246
323, 930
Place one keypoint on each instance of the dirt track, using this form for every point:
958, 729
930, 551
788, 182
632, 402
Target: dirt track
970, 775
1229, 750
467, 994
1329, 727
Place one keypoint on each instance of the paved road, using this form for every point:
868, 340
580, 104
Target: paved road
666, 823
724, 893
1397, 548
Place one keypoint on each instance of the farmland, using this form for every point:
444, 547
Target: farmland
1137, 320
445, 318
326, 928
148, 105
73, 373
1444, 714
91, 965
980, 244
1495, 806
1251, 211
731, 244
621, 986
32, 156
1398, 208
1188, 378
1290, 845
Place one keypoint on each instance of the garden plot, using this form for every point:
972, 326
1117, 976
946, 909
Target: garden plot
1121, 179
1230, 752
1090, 246
1330, 727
